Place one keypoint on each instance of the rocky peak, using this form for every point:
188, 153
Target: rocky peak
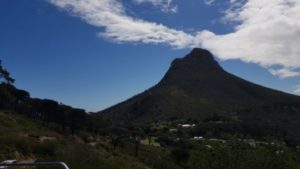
199, 59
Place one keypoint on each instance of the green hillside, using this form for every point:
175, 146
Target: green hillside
24, 139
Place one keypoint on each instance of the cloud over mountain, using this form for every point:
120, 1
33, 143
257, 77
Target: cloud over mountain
266, 32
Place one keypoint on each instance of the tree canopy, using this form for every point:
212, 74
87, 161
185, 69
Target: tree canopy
5, 75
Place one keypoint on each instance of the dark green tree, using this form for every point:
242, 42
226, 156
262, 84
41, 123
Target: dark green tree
6, 75
116, 135
148, 132
180, 154
76, 119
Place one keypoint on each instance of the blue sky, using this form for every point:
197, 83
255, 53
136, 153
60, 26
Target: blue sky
95, 53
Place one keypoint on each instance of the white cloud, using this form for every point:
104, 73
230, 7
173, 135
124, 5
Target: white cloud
165, 5
266, 33
209, 2
111, 15
284, 73
297, 90
222, 2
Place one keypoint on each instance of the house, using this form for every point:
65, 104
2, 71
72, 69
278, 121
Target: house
188, 125
173, 130
198, 138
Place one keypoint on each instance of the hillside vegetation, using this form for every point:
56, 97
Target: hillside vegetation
24, 139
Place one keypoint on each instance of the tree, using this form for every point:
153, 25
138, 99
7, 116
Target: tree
116, 135
13, 98
137, 134
49, 109
96, 123
77, 119
6, 75
180, 154
22, 98
148, 132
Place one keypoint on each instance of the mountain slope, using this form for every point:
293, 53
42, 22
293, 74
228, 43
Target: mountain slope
197, 88
194, 87
201, 76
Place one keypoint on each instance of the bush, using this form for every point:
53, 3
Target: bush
180, 154
45, 149
15, 143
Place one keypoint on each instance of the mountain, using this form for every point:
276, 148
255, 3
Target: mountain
197, 88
